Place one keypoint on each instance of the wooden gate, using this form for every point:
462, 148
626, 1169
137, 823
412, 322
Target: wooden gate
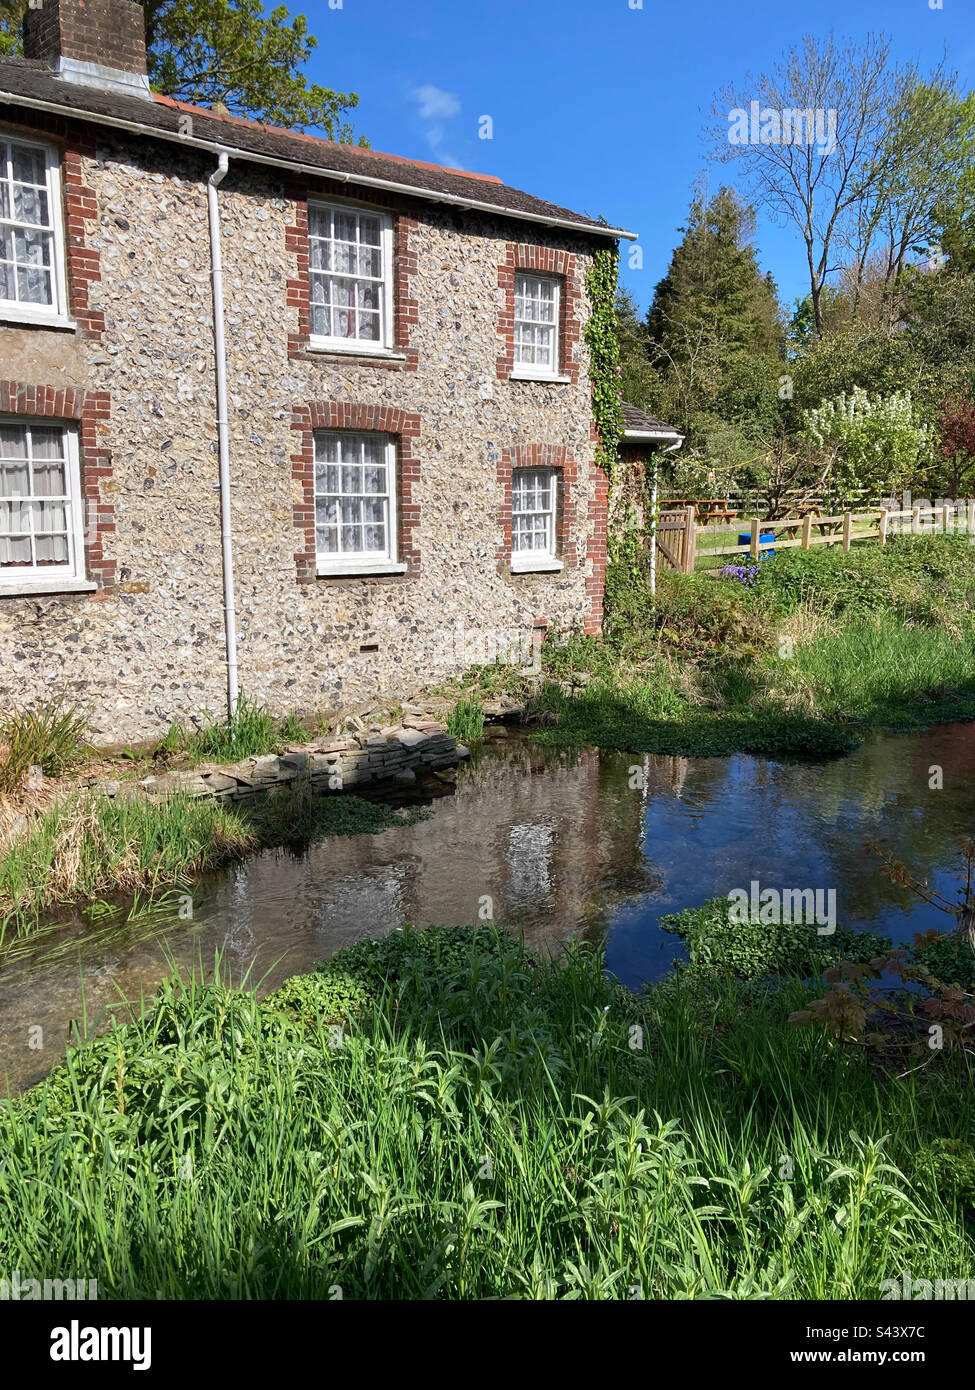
675, 540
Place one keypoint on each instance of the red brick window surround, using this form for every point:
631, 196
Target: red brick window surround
87, 411
404, 311
554, 457
404, 429
556, 264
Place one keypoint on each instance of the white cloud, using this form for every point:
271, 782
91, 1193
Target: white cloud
435, 105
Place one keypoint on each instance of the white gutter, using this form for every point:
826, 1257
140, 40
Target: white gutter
316, 171
223, 430
655, 434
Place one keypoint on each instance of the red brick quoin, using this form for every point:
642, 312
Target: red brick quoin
90, 409
556, 457
541, 260
340, 415
405, 311
80, 208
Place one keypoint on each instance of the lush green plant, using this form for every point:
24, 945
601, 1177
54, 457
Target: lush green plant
718, 945
249, 731
292, 728
51, 736
600, 333
466, 720
481, 1125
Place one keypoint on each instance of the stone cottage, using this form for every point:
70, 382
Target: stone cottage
276, 414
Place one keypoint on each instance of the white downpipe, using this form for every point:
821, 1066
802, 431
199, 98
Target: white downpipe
653, 527
223, 432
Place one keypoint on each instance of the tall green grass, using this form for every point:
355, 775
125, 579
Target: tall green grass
466, 720
51, 736
87, 847
443, 1116
879, 671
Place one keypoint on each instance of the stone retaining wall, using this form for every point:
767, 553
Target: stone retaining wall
330, 765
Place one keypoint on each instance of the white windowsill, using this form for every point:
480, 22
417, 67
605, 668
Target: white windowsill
360, 567
46, 586
523, 374
20, 318
541, 566
329, 349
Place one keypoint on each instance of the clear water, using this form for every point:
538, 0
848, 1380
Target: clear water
559, 842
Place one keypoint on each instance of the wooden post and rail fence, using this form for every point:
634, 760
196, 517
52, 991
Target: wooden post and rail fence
678, 532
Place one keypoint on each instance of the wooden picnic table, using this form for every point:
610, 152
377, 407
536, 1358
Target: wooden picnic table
705, 508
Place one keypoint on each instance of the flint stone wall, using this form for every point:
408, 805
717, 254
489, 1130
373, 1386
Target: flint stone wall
151, 649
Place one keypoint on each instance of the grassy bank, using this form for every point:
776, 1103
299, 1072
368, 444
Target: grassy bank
86, 848
439, 1115
814, 650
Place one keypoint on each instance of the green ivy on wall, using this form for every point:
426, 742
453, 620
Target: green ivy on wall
604, 356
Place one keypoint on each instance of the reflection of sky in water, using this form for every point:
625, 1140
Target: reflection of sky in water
561, 843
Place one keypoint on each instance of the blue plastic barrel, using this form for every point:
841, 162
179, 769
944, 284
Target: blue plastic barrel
745, 539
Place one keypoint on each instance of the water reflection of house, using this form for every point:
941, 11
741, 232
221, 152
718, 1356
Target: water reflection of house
546, 853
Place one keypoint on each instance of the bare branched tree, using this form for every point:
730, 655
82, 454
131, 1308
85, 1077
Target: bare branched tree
837, 147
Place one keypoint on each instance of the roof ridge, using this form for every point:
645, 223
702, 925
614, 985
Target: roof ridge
320, 140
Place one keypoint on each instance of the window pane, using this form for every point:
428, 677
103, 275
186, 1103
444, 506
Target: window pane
14, 480
30, 205
369, 230
46, 443
13, 442
49, 480
344, 258
51, 550
27, 164
34, 287
344, 226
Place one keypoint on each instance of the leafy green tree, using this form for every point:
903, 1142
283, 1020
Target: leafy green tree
232, 53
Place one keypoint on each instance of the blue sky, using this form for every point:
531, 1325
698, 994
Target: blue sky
595, 105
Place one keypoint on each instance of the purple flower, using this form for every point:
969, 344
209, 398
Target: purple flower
745, 574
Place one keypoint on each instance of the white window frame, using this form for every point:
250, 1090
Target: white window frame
358, 347
531, 371
363, 561
54, 578
538, 561
15, 310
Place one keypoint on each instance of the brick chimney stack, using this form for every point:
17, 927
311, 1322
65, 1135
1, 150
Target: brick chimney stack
99, 43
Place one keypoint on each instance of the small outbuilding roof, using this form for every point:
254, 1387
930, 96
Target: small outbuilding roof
637, 425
